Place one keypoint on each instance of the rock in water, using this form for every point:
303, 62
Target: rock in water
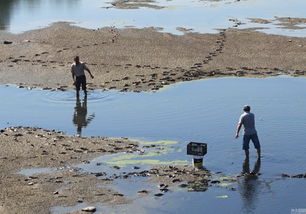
7, 42
89, 209
159, 194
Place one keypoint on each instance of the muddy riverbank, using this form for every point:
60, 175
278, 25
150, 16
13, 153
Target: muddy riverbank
38, 171
23, 148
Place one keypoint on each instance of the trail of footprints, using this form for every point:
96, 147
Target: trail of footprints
44, 63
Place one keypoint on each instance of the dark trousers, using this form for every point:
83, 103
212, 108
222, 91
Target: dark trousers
81, 80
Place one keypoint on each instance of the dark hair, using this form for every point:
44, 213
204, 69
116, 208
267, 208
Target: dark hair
76, 57
246, 108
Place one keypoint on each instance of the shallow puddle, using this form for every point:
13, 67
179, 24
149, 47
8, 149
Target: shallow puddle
203, 111
35, 171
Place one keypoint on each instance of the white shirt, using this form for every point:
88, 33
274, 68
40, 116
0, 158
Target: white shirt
78, 70
248, 122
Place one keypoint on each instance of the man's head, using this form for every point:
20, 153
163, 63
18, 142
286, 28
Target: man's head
77, 59
246, 108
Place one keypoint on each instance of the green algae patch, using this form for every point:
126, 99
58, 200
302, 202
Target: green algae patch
161, 148
228, 179
222, 196
146, 162
224, 184
149, 155
159, 142
133, 156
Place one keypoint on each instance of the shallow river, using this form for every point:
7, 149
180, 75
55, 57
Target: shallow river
199, 15
203, 111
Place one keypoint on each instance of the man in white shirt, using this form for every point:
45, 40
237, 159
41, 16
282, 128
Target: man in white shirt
78, 75
247, 119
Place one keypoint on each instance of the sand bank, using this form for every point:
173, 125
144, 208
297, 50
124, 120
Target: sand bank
24, 148
144, 59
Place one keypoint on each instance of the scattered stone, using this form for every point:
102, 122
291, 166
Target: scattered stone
143, 192
285, 175
298, 176
183, 185
158, 194
164, 189
7, 42
89, 209
99, 174
176, 180
162, 186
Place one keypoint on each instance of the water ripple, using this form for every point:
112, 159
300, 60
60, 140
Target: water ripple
70, 97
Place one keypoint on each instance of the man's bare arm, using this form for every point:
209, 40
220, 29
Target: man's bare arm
73, 77
238, 130
87, 69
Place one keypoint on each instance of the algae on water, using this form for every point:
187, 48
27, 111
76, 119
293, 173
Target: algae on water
146, 161
142, 158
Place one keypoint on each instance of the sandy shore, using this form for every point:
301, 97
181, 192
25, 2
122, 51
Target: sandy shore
64, 184
144, 59
24, 148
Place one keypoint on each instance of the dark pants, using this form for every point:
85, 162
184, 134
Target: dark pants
246, 141
81, 80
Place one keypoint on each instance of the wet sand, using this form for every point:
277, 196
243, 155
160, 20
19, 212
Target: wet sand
144, 59
65, 185
23, 148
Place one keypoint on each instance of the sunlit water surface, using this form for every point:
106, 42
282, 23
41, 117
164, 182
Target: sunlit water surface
199, 15
203, 111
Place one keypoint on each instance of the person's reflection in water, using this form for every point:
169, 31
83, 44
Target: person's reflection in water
80, 118
249, 185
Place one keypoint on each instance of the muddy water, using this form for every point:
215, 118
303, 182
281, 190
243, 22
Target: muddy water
198, 15
204, 111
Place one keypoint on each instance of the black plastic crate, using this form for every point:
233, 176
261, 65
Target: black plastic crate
194, 148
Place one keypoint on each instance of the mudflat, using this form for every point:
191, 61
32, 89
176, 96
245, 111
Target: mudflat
25, 147
39, 171
143, 59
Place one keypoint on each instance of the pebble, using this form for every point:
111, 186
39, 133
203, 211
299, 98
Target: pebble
176, 180
164, 190
89, 209
183, 185
7, 42
143, 192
